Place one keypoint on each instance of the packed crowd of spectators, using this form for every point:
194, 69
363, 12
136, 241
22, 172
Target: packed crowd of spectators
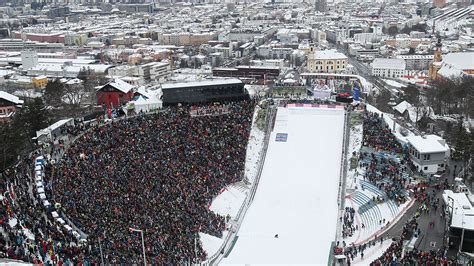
393, 255
157, 173
377, 134
29, 233
387, 175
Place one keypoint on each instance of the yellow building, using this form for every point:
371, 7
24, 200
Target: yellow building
327, 61
77, 39
40, 82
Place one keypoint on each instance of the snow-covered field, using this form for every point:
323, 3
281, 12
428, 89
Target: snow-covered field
296, 198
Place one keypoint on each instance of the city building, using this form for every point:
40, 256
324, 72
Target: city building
388, 67
248, 72
436, 64
154, 71
39, 81
457, 65
439, 3
417, 62
320, 5
19, 44
114, 94
8, 105
327, 61
429, 153
214, 90
460, 210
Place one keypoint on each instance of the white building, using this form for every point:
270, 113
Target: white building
428, 153
29, 59
417, 61
388, 67
366, 37
459, 205
154, 71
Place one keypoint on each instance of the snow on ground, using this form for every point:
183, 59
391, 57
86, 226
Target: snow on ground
254, 150
13, 263
372, 253
211, 243
394, 83
297, 194
231, 199
355, 143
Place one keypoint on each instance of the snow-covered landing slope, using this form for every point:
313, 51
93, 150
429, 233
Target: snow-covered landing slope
297, 194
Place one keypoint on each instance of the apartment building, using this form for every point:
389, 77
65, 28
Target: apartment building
417, 62
388, 67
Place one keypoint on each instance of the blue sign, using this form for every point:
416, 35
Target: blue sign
356, 94
281, 137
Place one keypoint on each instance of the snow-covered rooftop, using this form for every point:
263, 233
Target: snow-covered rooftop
328, 54
9, 97
428, 144
463, 211
450, 71
119, 85
402, 107
389, 63
462, 61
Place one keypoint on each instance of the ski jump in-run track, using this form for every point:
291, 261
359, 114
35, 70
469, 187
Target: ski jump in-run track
293, 217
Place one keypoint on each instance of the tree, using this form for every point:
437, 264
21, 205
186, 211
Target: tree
74, 94
382, 99
411, 94
15, 136
419, 27
34, 116
54, 92
393, 30
452, 96
406, 30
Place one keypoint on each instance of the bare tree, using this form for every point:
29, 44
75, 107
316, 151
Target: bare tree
74, 94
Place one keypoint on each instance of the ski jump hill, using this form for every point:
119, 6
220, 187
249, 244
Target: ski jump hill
294, 215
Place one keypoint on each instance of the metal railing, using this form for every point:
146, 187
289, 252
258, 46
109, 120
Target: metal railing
342, 179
